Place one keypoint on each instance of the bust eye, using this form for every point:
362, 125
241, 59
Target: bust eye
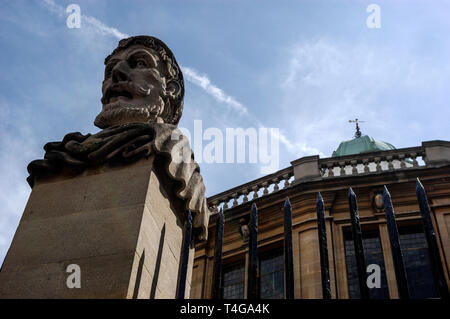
141, 63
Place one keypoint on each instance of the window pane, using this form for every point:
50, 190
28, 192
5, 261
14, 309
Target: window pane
374, 255
417, 262
272, 275
233, 281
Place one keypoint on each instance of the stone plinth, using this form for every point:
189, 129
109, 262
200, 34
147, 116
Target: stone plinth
437, 153
122, 225
306, 168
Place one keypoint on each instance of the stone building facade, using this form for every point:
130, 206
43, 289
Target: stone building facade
364, 169
128, 210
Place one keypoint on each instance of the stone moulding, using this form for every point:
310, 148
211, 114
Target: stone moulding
128, 143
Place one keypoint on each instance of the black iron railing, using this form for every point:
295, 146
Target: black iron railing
399, 266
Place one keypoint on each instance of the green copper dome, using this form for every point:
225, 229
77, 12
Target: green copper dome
362, 144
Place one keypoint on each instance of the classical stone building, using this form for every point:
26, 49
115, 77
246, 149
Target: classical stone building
366, 165
120, 213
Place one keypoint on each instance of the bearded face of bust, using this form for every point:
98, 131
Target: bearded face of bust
139, 87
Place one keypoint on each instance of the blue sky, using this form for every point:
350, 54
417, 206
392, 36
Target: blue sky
305, 67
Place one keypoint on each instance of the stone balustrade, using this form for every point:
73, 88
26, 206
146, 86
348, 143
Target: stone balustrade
259, 187
368, 163
308, 168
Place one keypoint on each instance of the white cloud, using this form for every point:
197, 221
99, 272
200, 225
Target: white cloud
103, 28
298, 148
204, 82
327, 82
191, 75
54, 8
91, 22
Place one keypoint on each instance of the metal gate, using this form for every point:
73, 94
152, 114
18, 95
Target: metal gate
399, 267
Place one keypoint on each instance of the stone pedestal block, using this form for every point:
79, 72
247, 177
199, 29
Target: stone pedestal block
437, 153
306, 168
123, 226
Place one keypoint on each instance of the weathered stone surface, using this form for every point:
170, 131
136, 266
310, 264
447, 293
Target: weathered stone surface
306, 168
87, 233
127, 143
437, 153
104, 276
143, 83
127, 244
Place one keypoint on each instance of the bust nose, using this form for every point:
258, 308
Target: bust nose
120, 72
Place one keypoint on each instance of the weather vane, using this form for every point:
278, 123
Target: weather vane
358, 131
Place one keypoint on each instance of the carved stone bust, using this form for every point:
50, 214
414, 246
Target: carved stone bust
143, 83
142, 102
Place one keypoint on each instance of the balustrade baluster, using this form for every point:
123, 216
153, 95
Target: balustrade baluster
255, 191
390, 160
378, 162
354, 169
235, 196
225, 204
276, 188
266, 188
401, 158
245, 198
342, 166
286, 180
330, 167
414, 156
